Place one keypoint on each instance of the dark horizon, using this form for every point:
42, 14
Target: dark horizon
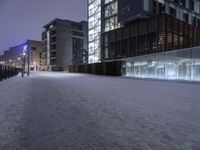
22, 19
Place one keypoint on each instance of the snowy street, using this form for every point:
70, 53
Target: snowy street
61, 111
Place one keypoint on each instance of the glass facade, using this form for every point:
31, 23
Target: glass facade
157, 34
94, 31
183, 64
102, 16
110, 21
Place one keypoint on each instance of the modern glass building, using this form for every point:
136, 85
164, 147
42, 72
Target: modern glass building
183, 64
152, 38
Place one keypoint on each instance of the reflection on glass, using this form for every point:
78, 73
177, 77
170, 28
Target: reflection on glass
179, 65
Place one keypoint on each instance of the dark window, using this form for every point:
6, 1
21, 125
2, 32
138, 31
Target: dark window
172, 12
152, 42
53, 54
76, 26
161, 8
141, 45
53, 39
191, 4
44, 36
186, 18
53, 62
78, 51
33, 48
194, 21
76, 33
175, 1
53, 47
53, 32
133, 46
182, 2
77, 43
198, 22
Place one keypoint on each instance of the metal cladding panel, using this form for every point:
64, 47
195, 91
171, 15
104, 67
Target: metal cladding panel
129, 9
133, 9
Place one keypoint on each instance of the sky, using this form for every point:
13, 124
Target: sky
23, 19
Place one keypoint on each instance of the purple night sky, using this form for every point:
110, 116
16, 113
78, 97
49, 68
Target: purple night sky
23, 19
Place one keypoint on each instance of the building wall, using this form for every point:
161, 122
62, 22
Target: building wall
35, 54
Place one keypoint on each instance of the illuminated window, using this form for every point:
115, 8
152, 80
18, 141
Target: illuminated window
94, 30
107, 1
111, 23
111, 9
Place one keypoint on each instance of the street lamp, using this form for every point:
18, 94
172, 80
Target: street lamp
19, 62
10, 62
26, 49
24, 61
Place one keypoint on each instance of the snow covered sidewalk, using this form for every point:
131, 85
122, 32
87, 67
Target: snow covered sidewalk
61, 111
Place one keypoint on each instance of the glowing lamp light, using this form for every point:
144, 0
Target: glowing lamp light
19, 58
25, 48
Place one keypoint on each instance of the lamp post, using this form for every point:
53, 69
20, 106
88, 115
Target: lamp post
28, 51
19, 62
24, 63
10, 62
25, 50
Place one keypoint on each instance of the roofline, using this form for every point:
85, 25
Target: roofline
28, 40
54, 20
51, 22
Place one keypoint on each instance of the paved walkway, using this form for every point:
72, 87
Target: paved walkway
60, 111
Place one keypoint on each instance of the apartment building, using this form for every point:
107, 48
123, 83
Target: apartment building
64, 44
32, 51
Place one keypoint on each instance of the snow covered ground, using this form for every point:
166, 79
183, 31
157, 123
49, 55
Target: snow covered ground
61, 111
